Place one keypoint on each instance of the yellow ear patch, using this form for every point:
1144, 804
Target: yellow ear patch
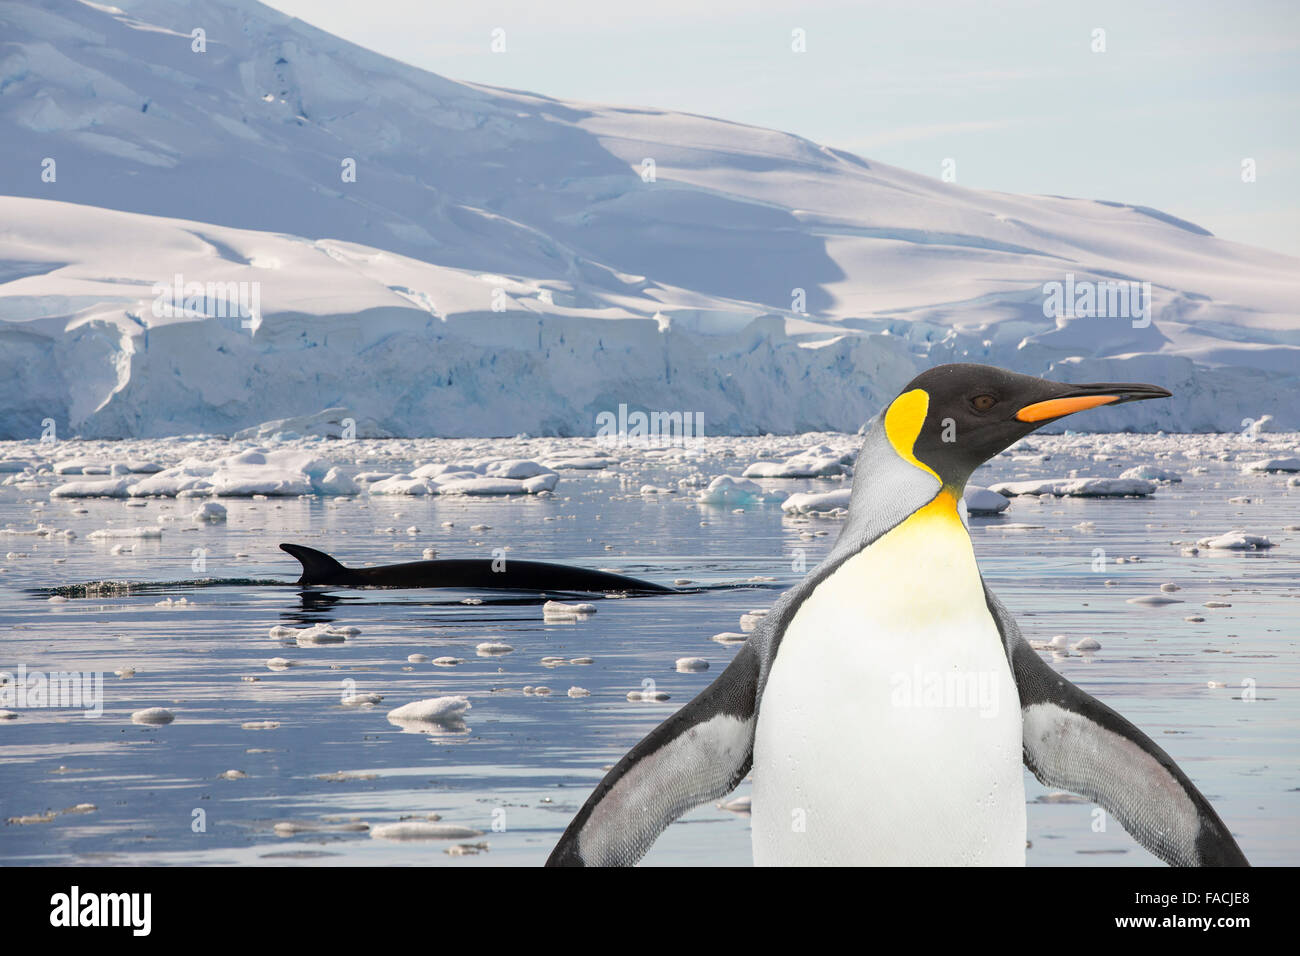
903, 422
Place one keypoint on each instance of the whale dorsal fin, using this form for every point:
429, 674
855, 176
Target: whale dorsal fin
317, 566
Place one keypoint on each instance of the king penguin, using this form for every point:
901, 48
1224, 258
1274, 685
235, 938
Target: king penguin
886, 703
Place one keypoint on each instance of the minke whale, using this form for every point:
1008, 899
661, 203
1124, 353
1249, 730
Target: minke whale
467, 573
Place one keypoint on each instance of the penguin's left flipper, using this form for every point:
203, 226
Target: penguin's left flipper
1075, 742
700, 753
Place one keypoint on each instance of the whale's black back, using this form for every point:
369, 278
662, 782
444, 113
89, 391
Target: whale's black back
465, 573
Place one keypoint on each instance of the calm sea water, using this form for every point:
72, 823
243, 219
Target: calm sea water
524, 763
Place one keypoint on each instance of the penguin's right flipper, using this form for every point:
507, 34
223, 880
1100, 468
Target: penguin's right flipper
1075, 742
700, 753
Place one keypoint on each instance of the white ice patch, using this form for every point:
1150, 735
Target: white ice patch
432, 710
1236, 540
825, 502
1077, 487
981, 501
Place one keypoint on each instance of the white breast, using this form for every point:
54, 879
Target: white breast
889, 731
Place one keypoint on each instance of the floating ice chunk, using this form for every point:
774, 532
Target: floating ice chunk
517, 468
335, 482
981, 501
493, 649
819, 462
579, 692
327, 423
541, 483
729, 637
322, 633
1088, 644
209, 512
404, 485
417, 658
100, 488
558, 611
1077, 487
361, 700
818, 502
259, 725
175, 483
740, 805
689, 665
1152, 473
232, 775
153, 715
1153, 600
112, 533
432, 710
726, 490
1271, 465
81, 466
1236, 540
420, 830
580, 464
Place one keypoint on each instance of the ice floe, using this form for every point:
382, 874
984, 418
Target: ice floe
982, 501
153, 715
1236, 540
1077, 487
491, 477
727, 490
823, 502
421, 830
1271, 465
818, 462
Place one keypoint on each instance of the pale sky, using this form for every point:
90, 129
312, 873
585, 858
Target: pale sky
1012, 91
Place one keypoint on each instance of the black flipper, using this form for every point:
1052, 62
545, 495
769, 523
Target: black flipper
1075, 742
700, 753
317, 566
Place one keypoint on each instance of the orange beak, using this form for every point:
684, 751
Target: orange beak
1056, 407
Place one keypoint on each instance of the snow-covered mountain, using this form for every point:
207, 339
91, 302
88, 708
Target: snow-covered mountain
504, 262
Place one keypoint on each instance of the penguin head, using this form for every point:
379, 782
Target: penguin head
951, 419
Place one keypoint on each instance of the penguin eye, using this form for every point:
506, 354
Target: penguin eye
983, 403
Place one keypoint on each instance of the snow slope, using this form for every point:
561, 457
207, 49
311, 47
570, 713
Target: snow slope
378, 295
